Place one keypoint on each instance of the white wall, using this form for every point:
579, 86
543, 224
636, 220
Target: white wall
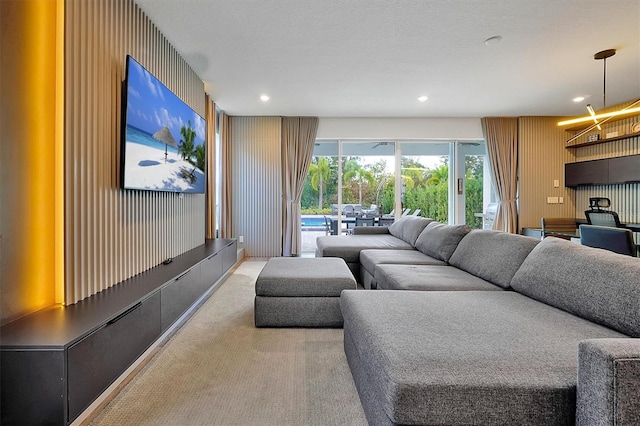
400, 128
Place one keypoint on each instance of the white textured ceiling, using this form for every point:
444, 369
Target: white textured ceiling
373, 58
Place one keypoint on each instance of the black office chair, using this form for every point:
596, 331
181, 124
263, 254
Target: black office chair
597, 215
618, 240
603, 218
598, 203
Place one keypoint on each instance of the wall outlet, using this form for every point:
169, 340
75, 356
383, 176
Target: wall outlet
561, 200
556, 183
241, 239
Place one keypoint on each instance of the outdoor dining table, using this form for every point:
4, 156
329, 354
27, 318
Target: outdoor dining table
346, 220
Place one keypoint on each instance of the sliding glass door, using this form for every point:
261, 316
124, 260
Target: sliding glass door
425, 179
367, 176
444, 180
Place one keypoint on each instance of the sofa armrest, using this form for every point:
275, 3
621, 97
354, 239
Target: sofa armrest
608, 382
369, 230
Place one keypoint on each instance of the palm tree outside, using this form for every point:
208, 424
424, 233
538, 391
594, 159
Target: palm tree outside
354, 172
320, 173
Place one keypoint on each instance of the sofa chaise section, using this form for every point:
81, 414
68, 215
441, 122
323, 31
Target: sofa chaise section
458, 358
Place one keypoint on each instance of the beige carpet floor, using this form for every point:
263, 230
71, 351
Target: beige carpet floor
218, 369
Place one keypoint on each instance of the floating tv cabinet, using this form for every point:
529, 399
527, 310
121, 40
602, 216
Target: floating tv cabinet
57, 361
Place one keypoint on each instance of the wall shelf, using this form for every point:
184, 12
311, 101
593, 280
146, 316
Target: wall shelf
599, 141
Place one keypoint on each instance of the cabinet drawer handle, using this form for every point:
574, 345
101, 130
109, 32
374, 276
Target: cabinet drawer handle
183, 275
125, 313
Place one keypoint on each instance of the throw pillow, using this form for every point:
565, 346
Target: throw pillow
408, 228
439, 240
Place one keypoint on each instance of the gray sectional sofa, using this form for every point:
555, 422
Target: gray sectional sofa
547, 332
412, 252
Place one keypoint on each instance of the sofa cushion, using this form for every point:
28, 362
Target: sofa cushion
408, 228
348, 247
595, 284
492, 255
370, 258
463, 357
428, 278
439, 240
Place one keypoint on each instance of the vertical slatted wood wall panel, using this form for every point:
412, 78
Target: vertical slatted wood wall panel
257, 184
112, 234
542, 155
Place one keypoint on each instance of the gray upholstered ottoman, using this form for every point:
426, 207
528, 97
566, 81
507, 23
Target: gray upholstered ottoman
301, 292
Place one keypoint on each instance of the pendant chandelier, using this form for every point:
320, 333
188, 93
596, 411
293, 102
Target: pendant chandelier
601, 118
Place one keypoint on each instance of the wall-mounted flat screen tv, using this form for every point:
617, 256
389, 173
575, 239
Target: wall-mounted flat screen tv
163, 139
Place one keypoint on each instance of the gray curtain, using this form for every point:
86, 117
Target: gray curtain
298, 140
501, 135
226, 216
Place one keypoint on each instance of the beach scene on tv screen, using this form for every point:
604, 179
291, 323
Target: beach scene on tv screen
164, 137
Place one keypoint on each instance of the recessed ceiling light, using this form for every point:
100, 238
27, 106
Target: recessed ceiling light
423, 98
493, 40
264, 98
578, 99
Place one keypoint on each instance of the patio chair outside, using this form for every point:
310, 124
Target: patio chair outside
348, 210
373, 210
385, 221
329, 228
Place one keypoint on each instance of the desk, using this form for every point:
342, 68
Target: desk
537, 232
635, 227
